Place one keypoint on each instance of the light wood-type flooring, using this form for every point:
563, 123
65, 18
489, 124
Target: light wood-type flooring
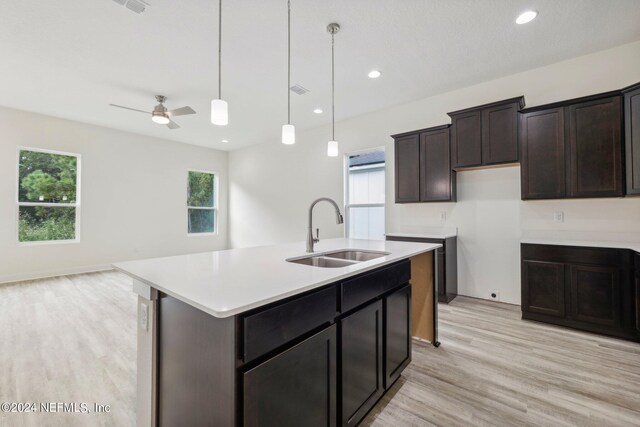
72, 339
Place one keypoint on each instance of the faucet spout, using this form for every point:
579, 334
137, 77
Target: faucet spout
339, 220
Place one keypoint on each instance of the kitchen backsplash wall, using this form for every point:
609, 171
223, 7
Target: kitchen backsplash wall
271, 185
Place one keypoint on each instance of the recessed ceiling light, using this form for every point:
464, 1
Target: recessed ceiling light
224, 141
374, 74
318, 111
527, 16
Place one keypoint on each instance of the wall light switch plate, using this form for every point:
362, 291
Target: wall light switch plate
558, 216
144, 316
443, 216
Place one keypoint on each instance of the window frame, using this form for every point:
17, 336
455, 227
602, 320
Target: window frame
216, 193
347, 205
76, 205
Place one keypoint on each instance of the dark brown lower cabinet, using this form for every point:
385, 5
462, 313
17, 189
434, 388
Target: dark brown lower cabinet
543, 288
362, 356
581, 287
397, 334
298, 384
637, 283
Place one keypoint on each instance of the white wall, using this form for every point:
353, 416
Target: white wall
133, 196
272, 185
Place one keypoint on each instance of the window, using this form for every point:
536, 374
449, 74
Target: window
202, 207
48, 196
365, 195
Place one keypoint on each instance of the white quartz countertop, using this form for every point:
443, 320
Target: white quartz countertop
634, 246
427, 235
225, 283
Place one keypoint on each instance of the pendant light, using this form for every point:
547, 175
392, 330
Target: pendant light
219, 107
332, 146
288, 130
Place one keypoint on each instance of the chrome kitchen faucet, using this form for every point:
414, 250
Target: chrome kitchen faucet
310, 239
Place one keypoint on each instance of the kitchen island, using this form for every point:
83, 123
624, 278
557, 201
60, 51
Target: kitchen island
256, 336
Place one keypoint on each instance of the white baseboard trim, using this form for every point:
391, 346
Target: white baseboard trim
20, 277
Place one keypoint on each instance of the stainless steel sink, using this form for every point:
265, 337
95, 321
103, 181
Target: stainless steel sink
339, 258
355, 255
321, 261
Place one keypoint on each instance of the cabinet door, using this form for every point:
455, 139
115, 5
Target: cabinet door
500, 134
397, 334
435, 167
296, 387
362, 356
595, 139
637, 304
407, 164
466, 139
542, 145
543, 288
595, 295
632, 137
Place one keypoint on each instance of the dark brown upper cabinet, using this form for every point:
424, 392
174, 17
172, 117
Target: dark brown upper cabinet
632, 138
485, 135
423, 166
407, 165
573, 149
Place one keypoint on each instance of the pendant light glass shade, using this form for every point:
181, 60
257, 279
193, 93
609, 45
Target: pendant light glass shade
288, 130
219, 112
219, 108
288, 134
332, 149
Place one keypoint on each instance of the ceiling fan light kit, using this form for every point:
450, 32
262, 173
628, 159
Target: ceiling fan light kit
160, 114
219, 108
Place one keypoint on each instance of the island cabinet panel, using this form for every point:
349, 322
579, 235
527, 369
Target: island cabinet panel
437, 181
397, 334
595, 137
543, 154
297, 387
407, 169
269, 329
543, 288
366, 287
361, 362
580, 287
632, 138
196, 366
500, 134
466, 139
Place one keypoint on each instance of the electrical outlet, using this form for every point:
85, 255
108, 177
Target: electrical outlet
558, 216
443, 216
144, 316
494, 295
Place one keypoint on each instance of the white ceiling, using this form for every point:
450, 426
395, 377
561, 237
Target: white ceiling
72, 58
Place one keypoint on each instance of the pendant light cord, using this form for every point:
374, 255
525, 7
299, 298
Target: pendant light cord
333, 107
220, 49
289, 62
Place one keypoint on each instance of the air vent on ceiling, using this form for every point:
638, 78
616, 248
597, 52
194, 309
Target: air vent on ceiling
137, 6
299, 89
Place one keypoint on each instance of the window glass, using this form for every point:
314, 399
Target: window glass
201, 203
366, 195
47, 196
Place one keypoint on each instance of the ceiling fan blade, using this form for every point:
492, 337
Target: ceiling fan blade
173, 125
132, 109
181, 111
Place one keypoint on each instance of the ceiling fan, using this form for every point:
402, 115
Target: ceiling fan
160, 114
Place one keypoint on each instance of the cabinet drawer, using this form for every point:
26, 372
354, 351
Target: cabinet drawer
275, 326
369, 286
